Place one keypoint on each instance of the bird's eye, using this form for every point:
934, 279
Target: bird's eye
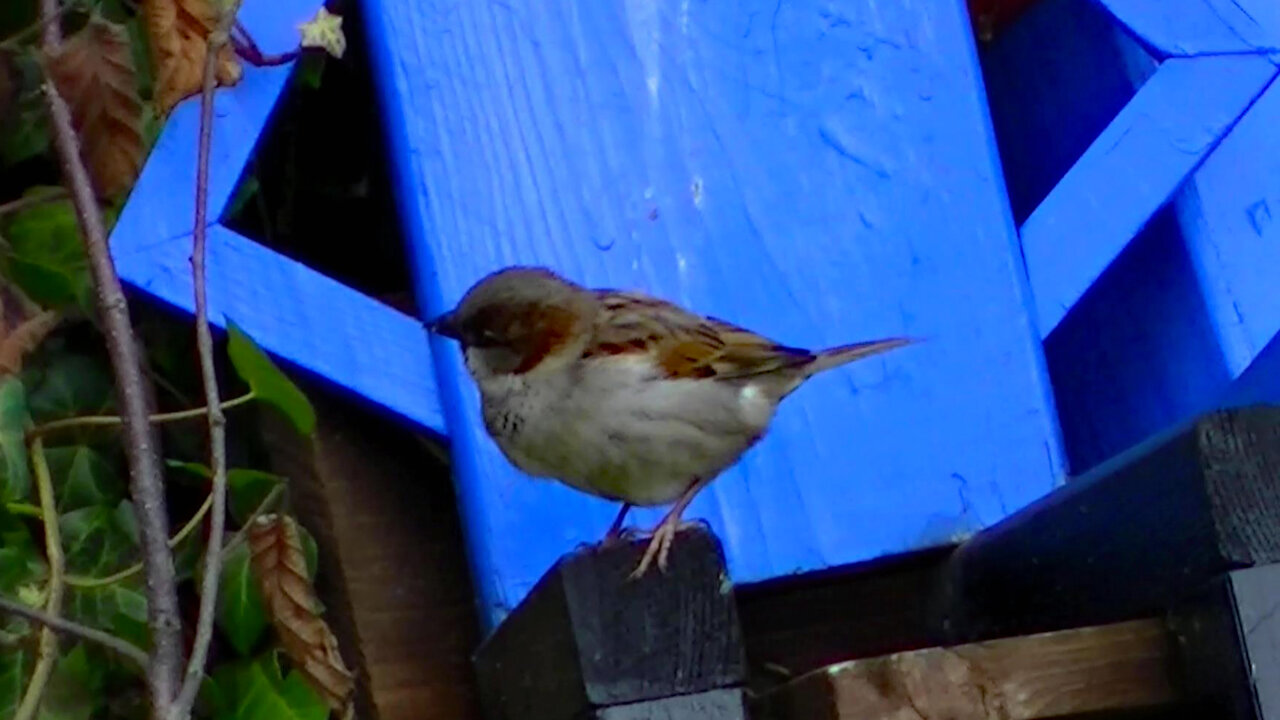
486, 338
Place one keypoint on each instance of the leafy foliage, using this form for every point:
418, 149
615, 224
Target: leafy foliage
267, 382
257, 690
45, 257
121, 67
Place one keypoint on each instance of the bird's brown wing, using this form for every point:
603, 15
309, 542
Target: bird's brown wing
685, 345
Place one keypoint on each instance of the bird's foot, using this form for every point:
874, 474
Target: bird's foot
660, 545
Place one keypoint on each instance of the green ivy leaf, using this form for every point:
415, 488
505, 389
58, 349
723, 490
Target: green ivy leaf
267, 382
70, 385
82, 477
20, 560
256, 691
119, 608
246, 489
311, 552
75, 688
241, 615
15, 664
46, 258
15, 477
95, 542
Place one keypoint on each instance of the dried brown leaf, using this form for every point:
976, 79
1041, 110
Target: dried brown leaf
179, 34
26, 337
279, 564
94, 72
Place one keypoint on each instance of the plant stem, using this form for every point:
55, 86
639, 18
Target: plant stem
75, 629
145, 478
48, 652
204, 344
27, 201
115, 420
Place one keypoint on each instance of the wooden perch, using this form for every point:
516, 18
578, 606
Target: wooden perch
1130, 538
1114, 667
587, 643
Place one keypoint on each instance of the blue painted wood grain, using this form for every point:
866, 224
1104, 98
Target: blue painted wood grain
1131, 170
1191, 28
294, 312
300, 315
819, 172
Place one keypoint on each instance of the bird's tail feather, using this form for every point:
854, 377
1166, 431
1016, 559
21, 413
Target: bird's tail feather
837, 356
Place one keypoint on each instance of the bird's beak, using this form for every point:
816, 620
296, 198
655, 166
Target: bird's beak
444, 325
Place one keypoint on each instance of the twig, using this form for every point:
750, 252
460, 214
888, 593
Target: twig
48, 652
204, 343
115, 420
75, 629
145, 478
28, 201
15, 40
249, 51
267, 503
50, 28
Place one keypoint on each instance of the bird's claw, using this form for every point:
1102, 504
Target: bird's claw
659, 547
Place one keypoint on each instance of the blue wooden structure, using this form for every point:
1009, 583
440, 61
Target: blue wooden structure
820, 172
1139, 137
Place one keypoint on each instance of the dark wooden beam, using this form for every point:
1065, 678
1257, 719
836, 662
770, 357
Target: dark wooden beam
1129, 538
587, 640
1118, 667
1230, 642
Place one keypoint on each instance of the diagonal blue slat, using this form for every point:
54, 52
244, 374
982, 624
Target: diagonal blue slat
820, 174
162, 203
1130, 171
1188, 28
294, 312
301, 316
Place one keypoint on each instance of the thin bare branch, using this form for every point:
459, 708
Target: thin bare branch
145, 476
47, 654
204, 342
75, 629
50, 27
115, 420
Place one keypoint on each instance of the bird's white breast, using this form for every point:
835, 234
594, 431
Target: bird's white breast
612, 427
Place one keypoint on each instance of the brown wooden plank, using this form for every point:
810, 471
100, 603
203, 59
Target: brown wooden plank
393, 573
1112, 667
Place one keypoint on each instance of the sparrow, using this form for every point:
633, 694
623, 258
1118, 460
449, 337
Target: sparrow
622, 395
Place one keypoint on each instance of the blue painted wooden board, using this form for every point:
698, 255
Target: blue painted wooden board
820, 172
1151, 261
294, 312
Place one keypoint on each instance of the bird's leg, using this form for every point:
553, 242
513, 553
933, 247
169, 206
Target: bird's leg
615, 530
660, 544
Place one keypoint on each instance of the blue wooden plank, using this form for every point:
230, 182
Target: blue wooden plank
162, 203
821, 174
299, 315
1130, 171
1189, 28
1227, 209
